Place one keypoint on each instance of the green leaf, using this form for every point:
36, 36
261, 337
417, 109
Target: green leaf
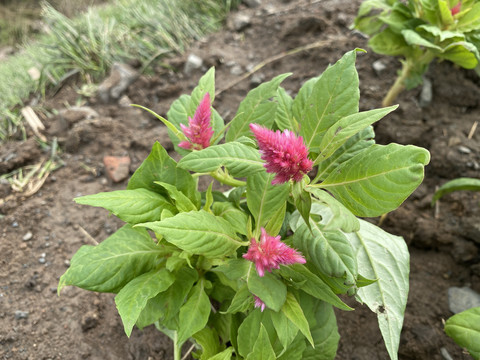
262, 350
329, 251
459, 184
255, 108
268, 288
241, 302
303, 201
445, 13
198, 232
442, 35
133, 297
194, 313
378, 179
312, 285
182, 202
345, 128
389, 43
470, 21
208, 198
205, 84
295, 350
334, 96
240, 160
353, 146
234, 269
224, 355
107, 267
159, 166
463, 53
286, 330
132, 206
464, 329
248, 332
293, 311
263, 198
385, 257
208, 340
431, 11
236, 217
283, 116
413, 38
274, 225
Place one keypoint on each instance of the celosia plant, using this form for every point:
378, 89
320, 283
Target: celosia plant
253, 271
420, 31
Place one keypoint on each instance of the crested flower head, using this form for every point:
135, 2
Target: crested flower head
199, 130
285, 154
456, 9
259, 303
269, 253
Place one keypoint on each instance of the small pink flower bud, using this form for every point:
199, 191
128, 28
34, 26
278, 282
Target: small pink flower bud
259, 303
285, 154
199, 132
456, 9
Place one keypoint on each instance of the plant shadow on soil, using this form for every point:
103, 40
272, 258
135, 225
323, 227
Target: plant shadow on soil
443, 241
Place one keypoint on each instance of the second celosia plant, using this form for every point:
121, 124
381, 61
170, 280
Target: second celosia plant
243, 246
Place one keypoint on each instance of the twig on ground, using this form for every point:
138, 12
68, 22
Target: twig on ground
188, 352
472, 130
89, 237
34, 122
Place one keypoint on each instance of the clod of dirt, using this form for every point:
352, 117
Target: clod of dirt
17, 154
118, 167
464, 251
120, 78
89, 321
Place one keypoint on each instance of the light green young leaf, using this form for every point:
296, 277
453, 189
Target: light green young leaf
255, 108
462, 53
413, 38
378, 179
286, 330
263, 198
159, 166
431, 11
301, 101
441, 34
242, 301
274, 225
293, 311
182, 202
239, 159
224, 355
107, 267
133, 297
207, 338
459, 184
194, 313
198, 232
345, 128
283, 116
445, 13
470, 21
389, 43
132, 206
268, 288
205, 84
234, 269
262, 350
385, 257
208, 198
334, 96
236, 217
464, 329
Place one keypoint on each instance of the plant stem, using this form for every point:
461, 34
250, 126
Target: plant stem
177, 350
399, 84
226, 179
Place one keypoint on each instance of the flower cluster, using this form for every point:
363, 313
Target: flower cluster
285, 154
199, 132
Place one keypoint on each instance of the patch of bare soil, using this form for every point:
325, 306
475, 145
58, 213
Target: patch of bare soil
39, 234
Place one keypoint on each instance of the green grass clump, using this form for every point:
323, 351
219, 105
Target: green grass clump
118, 31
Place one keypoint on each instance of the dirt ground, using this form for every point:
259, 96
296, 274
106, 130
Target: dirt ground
39, 234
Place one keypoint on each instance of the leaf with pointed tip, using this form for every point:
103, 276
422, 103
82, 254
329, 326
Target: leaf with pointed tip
248, 332
182, 202
224, 355
236, 217
241, 302
293, 311
464, 329
283, 116
262, 350
457, 185
470, 21
268, 288
286, 330
207, 338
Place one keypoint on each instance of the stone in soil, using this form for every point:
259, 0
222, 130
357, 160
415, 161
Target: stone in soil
19, 314
193, 63
28, 236
461, 299
118, 167
114, 86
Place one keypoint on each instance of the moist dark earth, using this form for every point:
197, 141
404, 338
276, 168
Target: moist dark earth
443, 241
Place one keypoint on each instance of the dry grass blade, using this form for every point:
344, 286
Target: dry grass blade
472, 130
34, 122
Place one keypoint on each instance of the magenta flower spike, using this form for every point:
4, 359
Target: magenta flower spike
456, 9
259, 303
199, 130
269, 253
285, 154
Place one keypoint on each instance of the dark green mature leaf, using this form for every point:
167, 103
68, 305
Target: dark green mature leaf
239, 159
133, 297
182, 202
255, 108
263, 198
268, 288
389, 43
132, 206
303, 201
194, 313
198, 232
234, 269
207, 338
224, 355
385, 257
333, 96
470, 184
248, 332
107, 267
262, 350
464, 329
242, 301
295, 350
286, 330
284, 116
236, 217
378, 179
159, 166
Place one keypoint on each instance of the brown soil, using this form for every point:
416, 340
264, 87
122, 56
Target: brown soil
443, 241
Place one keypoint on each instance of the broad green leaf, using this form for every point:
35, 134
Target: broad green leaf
348, 150
329, 251
398, 18
224, 355
345, 128
263, 198
342, 218
248, 332
262, 350
295, 349
268, 288
312, 284
159, 166
293, 311
463, 54
152, 312
182, 202
385, 257
205, 84
445, 13
239, 159
283, 116
132, 206
378, 179
334, 96
208, 340
303, 201
431, 11
236, 217
286, 330
389, 43
234, 269
301, 101
255, 108
441, 34
274, 225
242, 301
194, 313
470, 21
198, 232
459, 184
107, 267
413, 38
464, 329
133, 297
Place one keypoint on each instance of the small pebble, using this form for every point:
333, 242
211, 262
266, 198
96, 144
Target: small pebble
42, 260
28, 236
236, 70
194, 62
379, 67
445, 354
66, 263
464, 150
461, 299
426, 95
21, 314
14, 224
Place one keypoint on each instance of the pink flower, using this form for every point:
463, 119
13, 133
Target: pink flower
269, 253
259, 303
456, 9
285, 154
199, 132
